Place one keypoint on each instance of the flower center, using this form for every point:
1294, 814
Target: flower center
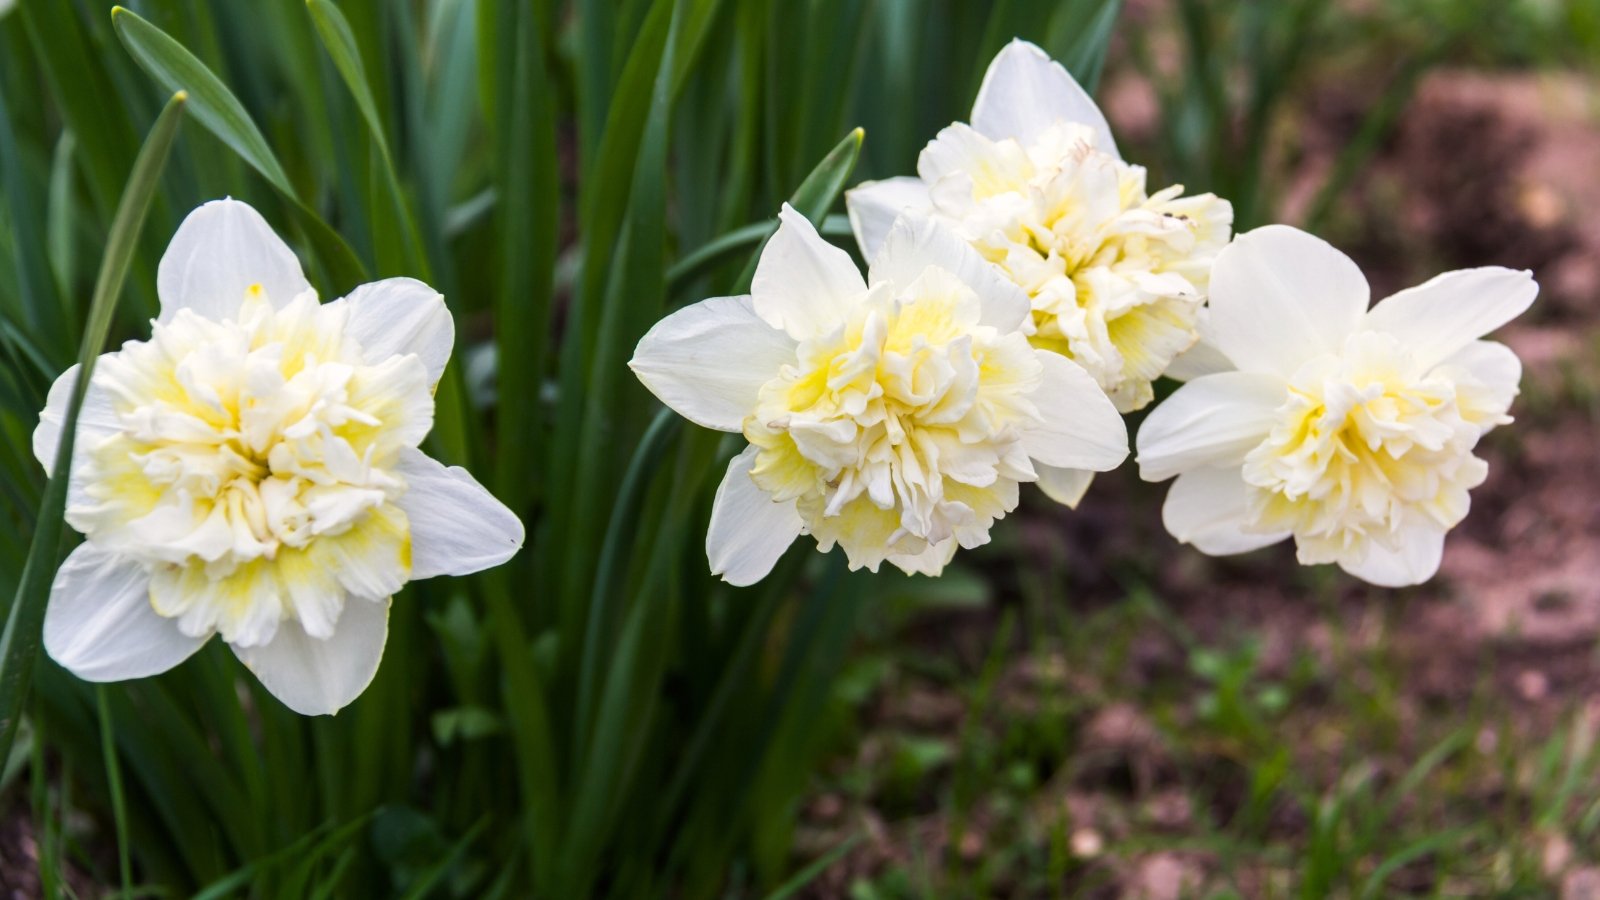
901, 429
1116, 276
249, 453
1363, 445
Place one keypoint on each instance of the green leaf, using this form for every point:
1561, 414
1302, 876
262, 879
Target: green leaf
525, 174
400, 245
85, 94
41, 310
340, 42
620, 282
805, 876
215, 107
816, 193
1079, 35
430, 879
604, 597
119, 805
212, 104
60, 221
19, 644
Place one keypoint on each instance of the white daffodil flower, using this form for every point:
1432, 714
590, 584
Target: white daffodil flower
1350, 430
894, 416
1116, 276
252, 471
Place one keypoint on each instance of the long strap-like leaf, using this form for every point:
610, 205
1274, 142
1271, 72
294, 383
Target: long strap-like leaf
19, 644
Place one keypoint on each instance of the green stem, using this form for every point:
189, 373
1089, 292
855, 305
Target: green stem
119, 807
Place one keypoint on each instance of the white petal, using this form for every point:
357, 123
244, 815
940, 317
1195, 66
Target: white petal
457, 526
1213, 420
320, 677
917, 241
931, 561
748, 530
1064, 486
1208, 508
1200, 359
1487, 375
959, 156
1081, 428
1417, 560
708, 361
220, 251
1280, 296
95, 417
803, 284
874, 205
100, 625
1440, 316
1025, 91
397, 316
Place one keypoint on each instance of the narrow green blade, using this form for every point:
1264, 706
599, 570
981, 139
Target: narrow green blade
19, 644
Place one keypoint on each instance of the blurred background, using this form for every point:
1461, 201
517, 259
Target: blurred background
1082, 708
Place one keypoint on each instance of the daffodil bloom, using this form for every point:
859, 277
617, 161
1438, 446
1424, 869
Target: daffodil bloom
893, 416
1351, 430
1116, 276
252, 471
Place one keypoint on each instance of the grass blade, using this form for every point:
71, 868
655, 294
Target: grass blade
1080, 33
19, 644
816, 193
398, 253
40, 307
119, 807
215, 107
805, 876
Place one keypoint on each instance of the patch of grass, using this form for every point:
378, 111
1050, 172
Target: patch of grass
1083, 767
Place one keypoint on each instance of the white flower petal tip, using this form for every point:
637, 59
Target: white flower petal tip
398, 316
1024, 91
1441, 316
1415, 562
99, 624
96, 417
320, 676
1351, 431
252, 471
874, 206
223, 251
1280, 296
1200, 359
749, 530
457, 526
803, 284
1209, 509
1214, 420
1065, 486
708, 361
1080, 428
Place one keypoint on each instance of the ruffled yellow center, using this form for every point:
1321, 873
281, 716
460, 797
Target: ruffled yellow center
1364, 446
898, 433
1116, 275
253, 467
